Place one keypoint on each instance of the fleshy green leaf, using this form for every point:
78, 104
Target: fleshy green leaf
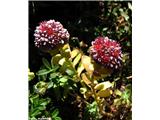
70, 72
58, 118
53, 75
41, 107
35, 112
63, 79
50, 84
46, 63
55, 113
43, 72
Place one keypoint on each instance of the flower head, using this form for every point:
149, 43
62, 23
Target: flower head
50, 34
106, 52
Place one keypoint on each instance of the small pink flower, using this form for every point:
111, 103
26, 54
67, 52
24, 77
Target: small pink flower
50, 34
106, 52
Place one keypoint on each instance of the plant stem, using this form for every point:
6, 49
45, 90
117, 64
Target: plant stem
96, 97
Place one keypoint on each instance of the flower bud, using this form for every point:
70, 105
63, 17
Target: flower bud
50, 35
106, 52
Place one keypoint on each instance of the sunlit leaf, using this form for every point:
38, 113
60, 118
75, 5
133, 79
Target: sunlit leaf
41, 87
61, 61
118, 92
104, 93
103, 85
70, 72
65, 51
83, 90
85, 79
86, 61
74, 53
35, 112
68, 68
129, 6
50, 84
53, 75
82, 44
125, 15
30, 75
58, 118
117, 102
80, 69
33, 98
77, 59
63, 79
55, 59
104, 29
55, 113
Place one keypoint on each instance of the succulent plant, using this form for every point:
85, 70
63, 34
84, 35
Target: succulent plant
106, 52
50, 35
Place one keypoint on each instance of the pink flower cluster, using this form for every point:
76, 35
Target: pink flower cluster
106, 52
50, 34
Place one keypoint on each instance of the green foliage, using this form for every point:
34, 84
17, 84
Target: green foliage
124, 97
92, 111
60, 83
55, 115
49, 79
37, 106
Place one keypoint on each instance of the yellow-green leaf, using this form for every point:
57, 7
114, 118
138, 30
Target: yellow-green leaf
55, 59
65, 51
67, 67
86, 61
61, 61
118, 92
83, 90
85, 79
80, 69
77, 59
30, 75
103, 85
104, 93
74, 53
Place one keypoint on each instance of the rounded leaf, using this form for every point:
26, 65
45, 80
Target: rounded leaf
104, 93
